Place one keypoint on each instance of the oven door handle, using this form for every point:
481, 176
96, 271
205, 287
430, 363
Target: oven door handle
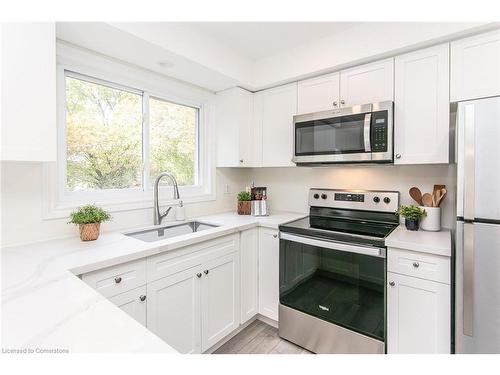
358, 249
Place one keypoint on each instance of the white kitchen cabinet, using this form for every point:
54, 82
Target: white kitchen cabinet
475, 63
422, 106
133, 303
174, 309
249, 255
268, 273
28, 91
274, 110
369, 83
238, 137
318, 94
220, 293
418, 315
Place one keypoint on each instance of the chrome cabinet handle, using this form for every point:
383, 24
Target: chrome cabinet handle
398, 156
342, 101
205, 272
142, 298
392, 283
118, 280
416, 264
198, 275
335, 104
275, 236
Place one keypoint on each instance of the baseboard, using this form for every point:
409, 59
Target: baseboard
265, 319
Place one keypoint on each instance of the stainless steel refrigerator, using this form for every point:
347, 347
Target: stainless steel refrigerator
477, 257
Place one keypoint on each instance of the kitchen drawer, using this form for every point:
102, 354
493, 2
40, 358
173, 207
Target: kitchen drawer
117, 279
171, 262
424, 266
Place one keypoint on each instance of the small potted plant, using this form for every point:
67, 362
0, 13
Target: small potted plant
244, 207
89, 219
412, 215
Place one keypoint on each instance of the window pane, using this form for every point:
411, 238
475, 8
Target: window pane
104, 137
173, 140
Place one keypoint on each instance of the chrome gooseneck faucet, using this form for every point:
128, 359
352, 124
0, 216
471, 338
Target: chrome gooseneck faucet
158, 217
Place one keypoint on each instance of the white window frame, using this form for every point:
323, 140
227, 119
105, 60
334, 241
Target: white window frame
59, 202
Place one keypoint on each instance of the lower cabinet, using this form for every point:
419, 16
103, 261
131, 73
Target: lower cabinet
174, 309
133, 303
268, 273
249, 256
418, 315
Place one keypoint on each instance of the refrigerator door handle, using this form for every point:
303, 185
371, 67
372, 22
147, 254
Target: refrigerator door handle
469, 163
468, 280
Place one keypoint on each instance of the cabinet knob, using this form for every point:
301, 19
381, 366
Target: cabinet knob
416, 264
342, 101
275, 236
392, 283
142, 298
335, 104
205, 272
198, 275
241, 160
398, 156
118, 280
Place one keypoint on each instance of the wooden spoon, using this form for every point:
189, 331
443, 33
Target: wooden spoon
416, 194
427, 200
442, 194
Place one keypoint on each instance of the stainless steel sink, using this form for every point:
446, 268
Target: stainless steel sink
161, 233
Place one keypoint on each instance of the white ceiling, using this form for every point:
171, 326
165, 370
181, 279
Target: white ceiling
256, 40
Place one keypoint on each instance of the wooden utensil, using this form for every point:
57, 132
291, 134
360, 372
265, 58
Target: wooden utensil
427, 200
416, 195
442, 194
437, 188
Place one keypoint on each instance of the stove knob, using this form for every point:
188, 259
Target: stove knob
316, 196
323, 196
387, 200
376, 199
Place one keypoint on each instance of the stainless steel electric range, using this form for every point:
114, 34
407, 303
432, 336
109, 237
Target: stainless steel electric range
332, 272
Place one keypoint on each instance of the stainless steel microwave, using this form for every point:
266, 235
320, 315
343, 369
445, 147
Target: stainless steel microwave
358, 134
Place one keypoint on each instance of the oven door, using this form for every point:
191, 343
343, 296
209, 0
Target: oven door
333, 136
340, 283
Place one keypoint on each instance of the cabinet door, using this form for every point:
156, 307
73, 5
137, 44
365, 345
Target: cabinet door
235, 131
474, 67
368, 83
249, 255
422, 107
28, 91
133, 303
278, 107
318, 94
418, 315
268, 273
220, 299
173, 310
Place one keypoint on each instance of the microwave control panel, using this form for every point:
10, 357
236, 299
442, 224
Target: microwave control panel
379, 131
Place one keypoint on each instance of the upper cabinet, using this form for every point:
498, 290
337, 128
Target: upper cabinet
28, 91
475, 63
238, 138
318, 94
421, 108
274, 110
368, 83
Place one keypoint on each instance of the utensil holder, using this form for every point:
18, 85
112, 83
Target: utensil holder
432, 220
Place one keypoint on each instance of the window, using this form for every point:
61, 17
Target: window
122, 138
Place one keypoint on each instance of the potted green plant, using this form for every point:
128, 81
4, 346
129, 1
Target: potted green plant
244, 207
412, 215
89, 219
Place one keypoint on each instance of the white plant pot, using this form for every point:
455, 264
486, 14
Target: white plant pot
432, 221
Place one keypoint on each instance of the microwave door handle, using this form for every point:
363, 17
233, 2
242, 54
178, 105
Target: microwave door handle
366, 132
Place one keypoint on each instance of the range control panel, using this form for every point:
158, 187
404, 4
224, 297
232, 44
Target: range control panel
368, 200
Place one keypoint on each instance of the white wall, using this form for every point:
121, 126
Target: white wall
288, 187
21, 205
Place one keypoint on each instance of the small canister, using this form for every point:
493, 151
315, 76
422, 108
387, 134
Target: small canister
432, 220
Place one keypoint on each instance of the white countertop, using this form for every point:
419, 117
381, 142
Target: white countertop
438, 243
44, 304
